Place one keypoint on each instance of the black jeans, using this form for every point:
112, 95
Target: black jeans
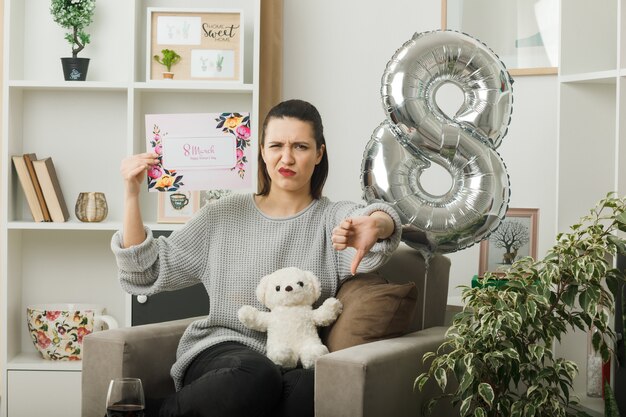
232, 380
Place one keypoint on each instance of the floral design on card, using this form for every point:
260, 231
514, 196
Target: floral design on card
159, 177
238, 125
201, 151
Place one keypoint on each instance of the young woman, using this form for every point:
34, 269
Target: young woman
221, 369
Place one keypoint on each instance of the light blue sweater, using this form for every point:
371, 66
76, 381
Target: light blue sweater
228, 247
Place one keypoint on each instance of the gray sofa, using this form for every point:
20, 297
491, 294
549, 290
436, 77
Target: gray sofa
372, 379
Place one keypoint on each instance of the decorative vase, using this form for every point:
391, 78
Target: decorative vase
91, 207
75, 69
594, 367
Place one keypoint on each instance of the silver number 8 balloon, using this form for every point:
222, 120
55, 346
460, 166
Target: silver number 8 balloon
417, 133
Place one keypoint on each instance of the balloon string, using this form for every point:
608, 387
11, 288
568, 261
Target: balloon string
427, 256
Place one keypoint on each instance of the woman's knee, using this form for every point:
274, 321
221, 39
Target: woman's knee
234, 365
298, 398
250, 382
237, 382
234, 392
260, 377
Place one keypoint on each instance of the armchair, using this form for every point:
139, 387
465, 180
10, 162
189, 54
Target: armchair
372, 379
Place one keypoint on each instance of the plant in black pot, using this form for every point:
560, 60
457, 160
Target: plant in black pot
74, 15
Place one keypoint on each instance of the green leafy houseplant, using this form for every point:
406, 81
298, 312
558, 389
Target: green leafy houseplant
75, 15
168, 58
498, 348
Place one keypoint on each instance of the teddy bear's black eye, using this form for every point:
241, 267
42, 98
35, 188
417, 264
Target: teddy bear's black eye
300, 283
278, 288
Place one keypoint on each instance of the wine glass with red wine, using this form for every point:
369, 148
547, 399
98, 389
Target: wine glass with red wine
125, 398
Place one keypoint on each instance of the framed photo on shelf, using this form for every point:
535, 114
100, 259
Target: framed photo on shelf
177, 206
180, 206
515, 238
523, 33
208, 41
211, 196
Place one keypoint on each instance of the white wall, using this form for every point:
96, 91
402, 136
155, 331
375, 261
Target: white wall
335, 54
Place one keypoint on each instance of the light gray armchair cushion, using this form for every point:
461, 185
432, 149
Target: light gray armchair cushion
145, 352
376, 379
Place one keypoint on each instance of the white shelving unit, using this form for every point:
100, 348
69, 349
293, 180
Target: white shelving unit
87, 128
592, 129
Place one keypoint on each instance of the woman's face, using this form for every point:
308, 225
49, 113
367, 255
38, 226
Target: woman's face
290, 154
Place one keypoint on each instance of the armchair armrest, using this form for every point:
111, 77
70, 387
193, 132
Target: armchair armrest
376, 379
145, 352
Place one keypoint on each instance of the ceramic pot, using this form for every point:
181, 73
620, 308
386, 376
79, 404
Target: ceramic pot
57, 330
75, 69
91, 207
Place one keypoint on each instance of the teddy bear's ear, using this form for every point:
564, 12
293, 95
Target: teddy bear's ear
315, 284
260, 289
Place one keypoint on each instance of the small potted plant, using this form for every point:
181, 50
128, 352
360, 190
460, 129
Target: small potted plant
74, 15
168, 58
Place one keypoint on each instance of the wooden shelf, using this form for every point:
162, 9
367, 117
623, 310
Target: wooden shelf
87, 128
592, 133
69, 85
29, 361
68, 225
190, 86
601, 77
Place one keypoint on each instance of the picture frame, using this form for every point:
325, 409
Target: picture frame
177, 206
515, 238
209, 42
168, 213
211, 196
524, 33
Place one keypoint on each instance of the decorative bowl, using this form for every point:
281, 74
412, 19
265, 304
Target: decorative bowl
91, 207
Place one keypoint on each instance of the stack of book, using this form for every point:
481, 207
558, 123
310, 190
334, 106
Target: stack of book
41, 188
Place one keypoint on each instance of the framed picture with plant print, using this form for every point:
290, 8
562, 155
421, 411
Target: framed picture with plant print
515, 238
208, 44
177, 206
523, 33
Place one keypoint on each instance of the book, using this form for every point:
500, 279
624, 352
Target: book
28, 159
28, 187
51, 189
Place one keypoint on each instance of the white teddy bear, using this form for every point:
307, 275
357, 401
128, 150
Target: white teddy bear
291, 324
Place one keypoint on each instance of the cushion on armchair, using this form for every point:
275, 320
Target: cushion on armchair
373, 309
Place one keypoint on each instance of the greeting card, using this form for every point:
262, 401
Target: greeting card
199, 151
